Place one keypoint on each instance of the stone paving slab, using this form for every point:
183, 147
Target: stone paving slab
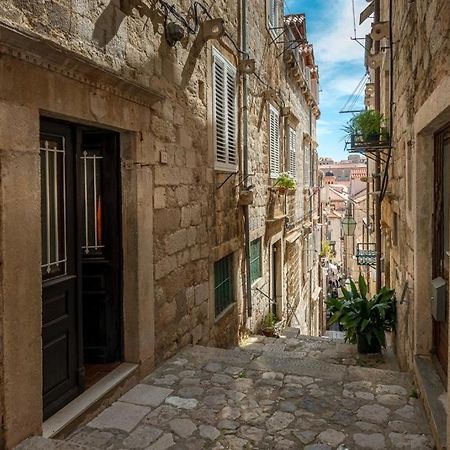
215, 399
40, 443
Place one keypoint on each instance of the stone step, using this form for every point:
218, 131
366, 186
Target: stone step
40, 443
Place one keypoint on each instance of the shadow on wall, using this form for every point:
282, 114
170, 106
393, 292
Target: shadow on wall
110, 20
108, 24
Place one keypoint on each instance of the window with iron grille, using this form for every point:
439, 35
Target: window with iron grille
274, 141
255, 260
223, 284
224, 113
292, 146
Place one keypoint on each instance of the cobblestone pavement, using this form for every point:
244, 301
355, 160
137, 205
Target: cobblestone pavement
287, 393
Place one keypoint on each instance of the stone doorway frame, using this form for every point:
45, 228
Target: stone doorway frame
430, 118
97, 98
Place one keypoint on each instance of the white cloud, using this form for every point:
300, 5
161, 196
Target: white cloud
332, 43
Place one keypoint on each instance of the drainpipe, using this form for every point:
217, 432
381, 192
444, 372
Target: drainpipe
311, 200
378, 161
244, 42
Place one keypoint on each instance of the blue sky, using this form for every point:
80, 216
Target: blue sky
341, 63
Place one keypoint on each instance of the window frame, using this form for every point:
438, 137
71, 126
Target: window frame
254, 259
230, 280
274, 112
231, 163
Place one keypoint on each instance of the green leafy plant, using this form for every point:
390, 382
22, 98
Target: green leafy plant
364, 320
268, 325
367, 126
327, 251
269, 321
285, 181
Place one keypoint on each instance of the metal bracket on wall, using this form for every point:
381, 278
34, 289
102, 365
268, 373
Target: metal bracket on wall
227, 178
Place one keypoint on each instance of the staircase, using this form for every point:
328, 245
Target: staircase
294, 392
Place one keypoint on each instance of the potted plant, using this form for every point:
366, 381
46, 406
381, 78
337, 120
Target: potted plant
367, 127
268, 325
364, 320
285, 182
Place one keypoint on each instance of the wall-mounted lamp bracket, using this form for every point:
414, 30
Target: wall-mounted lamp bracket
247, 66
212, 29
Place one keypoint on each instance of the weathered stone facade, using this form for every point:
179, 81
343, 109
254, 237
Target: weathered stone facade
420, 43
109, 66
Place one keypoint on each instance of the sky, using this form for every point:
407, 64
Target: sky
329, 26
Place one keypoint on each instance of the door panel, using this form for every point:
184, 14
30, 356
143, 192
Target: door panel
441, 237
100, 245
62, 373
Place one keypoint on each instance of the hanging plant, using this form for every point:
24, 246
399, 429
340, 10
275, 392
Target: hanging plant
285, 182
367, 127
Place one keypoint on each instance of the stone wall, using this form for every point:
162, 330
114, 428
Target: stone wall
179, 214
421, 39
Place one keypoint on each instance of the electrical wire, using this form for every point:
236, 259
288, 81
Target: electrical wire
196, 10
353, 98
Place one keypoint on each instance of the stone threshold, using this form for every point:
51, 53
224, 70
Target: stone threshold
71, 413
434, 396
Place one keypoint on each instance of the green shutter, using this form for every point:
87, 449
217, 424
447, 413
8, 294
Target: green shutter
223, 283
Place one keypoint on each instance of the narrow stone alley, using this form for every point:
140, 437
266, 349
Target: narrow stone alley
290, 393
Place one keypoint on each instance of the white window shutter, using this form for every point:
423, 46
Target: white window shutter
292, 152
306, 166
224, 113
274, 142
231, 117
273, 13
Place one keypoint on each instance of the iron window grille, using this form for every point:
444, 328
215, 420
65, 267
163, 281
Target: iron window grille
223, 284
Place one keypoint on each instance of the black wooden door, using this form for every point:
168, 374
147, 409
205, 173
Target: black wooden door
62, 364
100, 244
441, 247
81, 255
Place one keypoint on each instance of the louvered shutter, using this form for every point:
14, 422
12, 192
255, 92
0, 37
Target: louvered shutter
306, 166
272, 16
274, 142
224, 112
292, 152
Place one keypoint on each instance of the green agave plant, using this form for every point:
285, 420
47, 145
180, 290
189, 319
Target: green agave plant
364, 318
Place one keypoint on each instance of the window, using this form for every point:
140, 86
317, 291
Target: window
272, 13
255, 260
292, 146
223, 283
224, 113
274, 141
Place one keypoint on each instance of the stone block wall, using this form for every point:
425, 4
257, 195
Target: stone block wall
192, 215
421, 35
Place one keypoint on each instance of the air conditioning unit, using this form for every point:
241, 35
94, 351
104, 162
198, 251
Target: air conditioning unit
438, 299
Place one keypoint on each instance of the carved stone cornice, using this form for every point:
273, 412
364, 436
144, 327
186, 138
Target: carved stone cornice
51, 56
